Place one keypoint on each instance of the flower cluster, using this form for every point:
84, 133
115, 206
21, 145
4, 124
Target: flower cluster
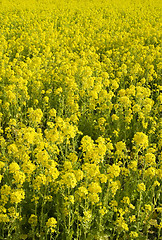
80, 126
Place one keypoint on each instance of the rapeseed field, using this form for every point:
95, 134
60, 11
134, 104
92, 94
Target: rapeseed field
80, 120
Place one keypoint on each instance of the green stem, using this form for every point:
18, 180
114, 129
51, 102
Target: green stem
138, 212
159, 230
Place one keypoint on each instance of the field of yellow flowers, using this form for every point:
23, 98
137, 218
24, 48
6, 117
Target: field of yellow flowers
80, 126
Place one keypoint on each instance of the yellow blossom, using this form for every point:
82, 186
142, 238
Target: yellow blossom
141, 140
141, 187
51, 224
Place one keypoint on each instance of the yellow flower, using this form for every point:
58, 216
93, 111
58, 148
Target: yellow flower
156, 183
87, 143
71, 199
33, 220
12, 149
52, 170
115, 117
79, 174
82, 192
52, 112
148, 207
69, 180
19, 178
125, 101
125, 171
93, 198
150, 159
101, 121
35, 116
51, 224
1, 178
12, 122
91, 170
141, 187
133, 165
120, 146
58, 91
2, 164
4, 218
28, 167
72, 157
114, 186
46, 99
67, 165
126, 200
94, 187
132, 218
133, 234
12, 212
113, 203
136, 108
87, 216
39, 181
14, 167
113, 171
150, 172
103, 178
121, 224
17, 196
103, 211
50, 124
141, 140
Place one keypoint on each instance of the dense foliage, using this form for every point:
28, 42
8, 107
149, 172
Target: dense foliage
80, 126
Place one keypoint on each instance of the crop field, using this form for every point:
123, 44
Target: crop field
80, 120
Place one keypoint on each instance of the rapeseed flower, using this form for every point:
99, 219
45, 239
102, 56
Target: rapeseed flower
80, 129
51, 224
141, 140
141, 187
